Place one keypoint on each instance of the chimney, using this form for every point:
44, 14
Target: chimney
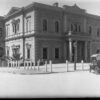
55, 4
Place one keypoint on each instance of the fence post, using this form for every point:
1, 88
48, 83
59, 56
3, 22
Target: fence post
50, 65
67, 64
46, 66
31, 64
38, 64
34, 65
8, 63
82, 65
11, 64
18, 63
24, 64
27, 64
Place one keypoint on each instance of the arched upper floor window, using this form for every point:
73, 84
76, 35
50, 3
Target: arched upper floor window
15, 25
98, 32
90, 29
57, 26
76, 27
44, 23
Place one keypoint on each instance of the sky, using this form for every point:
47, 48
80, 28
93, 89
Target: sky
91, 6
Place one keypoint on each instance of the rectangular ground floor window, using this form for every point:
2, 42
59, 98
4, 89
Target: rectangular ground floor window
45, 53
15, 51
28, 53
7, 52
56, 53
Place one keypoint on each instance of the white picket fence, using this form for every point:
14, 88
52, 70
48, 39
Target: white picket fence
50, 67
30, 65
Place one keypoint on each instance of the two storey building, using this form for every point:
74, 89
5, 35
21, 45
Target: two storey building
50, 32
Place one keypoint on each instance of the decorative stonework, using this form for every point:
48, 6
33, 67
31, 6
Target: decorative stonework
28, 45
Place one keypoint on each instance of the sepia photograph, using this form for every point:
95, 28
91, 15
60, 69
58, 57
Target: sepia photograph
49, 48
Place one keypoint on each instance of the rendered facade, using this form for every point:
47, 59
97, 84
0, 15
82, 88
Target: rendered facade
50, 32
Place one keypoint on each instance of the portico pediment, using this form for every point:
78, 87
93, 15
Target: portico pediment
12, 10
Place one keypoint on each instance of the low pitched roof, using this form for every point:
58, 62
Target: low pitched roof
13, 9
72, 9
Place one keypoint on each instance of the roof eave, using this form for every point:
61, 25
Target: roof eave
17, 12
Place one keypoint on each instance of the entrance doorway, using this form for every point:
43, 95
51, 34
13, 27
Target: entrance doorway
81, 51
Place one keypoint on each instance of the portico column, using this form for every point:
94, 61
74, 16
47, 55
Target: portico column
76, 51
86, 51
70, 50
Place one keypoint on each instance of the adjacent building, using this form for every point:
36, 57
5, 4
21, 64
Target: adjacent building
2, 37
50, 32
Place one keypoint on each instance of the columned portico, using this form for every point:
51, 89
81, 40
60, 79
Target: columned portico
76, 50
72, 46
70, 49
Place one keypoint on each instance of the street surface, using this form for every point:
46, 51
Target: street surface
61, 84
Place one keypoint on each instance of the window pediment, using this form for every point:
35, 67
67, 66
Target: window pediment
28, 45
12, 10
15, 46
28, 17
15, 21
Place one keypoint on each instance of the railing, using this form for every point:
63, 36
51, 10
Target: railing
30, 65
49, 67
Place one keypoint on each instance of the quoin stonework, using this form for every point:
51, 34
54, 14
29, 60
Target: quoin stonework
49, 32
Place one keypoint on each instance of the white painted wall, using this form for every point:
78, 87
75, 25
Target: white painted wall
31, 13
10, 24
14, 42
30, 41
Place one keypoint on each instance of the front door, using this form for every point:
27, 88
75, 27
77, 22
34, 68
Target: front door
81, 51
